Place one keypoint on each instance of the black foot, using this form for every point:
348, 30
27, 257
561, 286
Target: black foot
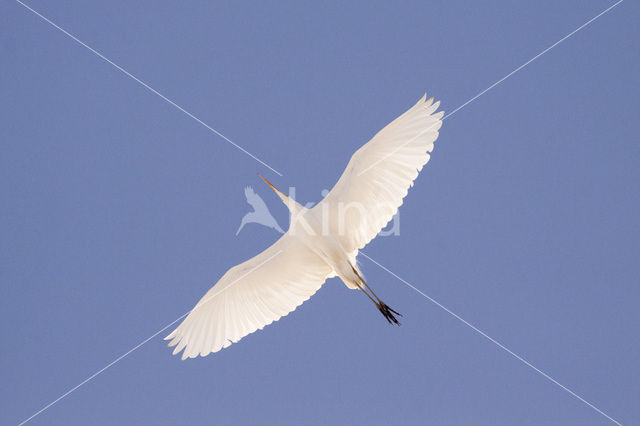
387, 312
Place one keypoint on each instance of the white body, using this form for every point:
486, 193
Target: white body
310, 227
321, 242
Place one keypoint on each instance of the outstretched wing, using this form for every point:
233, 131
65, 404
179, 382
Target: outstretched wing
249, 296
379, 175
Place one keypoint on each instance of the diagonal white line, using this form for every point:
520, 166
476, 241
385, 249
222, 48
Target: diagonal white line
494, 341
146, 86
497, 83
532, 59
408, 284
124, 355
97, 373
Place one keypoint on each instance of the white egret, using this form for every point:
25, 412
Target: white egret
321, 242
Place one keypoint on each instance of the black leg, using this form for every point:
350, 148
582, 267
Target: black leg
384, 309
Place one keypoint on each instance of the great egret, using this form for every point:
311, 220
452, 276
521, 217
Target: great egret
321, 242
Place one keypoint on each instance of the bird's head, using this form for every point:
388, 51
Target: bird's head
291, 204
284, 197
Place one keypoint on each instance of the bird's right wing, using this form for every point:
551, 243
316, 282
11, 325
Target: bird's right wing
251, 295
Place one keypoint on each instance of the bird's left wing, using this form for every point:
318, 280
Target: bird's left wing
379, 174
249, 296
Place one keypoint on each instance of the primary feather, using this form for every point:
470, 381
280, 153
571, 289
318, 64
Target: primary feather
251, 295
379, 175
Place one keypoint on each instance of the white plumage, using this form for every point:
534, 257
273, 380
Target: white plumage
321, 242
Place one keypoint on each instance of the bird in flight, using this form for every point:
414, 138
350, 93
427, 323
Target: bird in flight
260, 213
321, 242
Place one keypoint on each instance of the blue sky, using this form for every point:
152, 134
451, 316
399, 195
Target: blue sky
119, 211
